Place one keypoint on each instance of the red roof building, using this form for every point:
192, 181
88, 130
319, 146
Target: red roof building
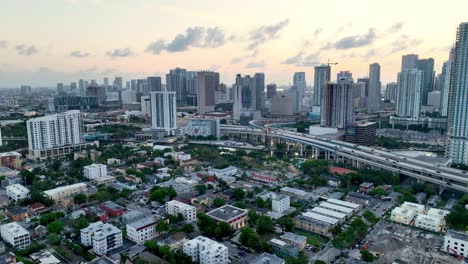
113, 209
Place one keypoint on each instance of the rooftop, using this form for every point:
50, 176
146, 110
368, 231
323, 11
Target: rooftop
64, 188
226, 213
328, 212
457, 235
112, 206
143, 222
343, 203
298, 239
5, 170
10, 153
320, 217
267, 258
14, 228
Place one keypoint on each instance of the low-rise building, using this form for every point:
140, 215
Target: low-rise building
94, 171
299, 194
206, 251
17, 213
418, 208
178, 156
142, 230
60, 193
264, 178
365, 187
15, 235
341, 217
234, 216
113, 209
313, 225
174, 241
428, 222
17, 192
294, 239
226, 172
403, 215
175, 207
104, 180
456, 243
44, 257
280, 203
267, 258
10, 159
283, 249
102, 236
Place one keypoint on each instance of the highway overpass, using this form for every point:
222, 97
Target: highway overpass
441, 175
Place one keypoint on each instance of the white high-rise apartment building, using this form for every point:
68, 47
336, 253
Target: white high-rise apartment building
373, 99
55, 130
457, 131
408, 101
145, 105
94, 171
163, 111
337, 104
142, 230
391, 91
280, 203
299, 81
15, 235
175, 207
102, 236
445, 89
206, 251
321, 78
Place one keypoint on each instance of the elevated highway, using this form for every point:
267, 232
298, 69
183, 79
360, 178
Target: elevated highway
441, 175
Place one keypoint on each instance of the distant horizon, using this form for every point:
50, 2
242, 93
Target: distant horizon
68, 40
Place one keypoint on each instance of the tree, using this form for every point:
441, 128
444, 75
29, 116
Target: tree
261, 203
188, 228
218, 202
286, 223
367, 256
336, 230
80, 198
249, 238
301, 259
264, 224
55, 227
239, 194
370, 217
320, 262
201, 188
162, 226
103, 195
53, 239
317, 166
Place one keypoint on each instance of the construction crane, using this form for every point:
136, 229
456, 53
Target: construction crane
331, 63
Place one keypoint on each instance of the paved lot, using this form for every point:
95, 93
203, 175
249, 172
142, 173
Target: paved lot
234, 251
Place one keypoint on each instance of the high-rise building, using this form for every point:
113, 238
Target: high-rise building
408, 101
445, 90
145, 105
118, 84
433, 99
373, 99
409, 61
25, 91
237, 100
73, 87
259, 89
438, 82
344, 75
203, 250
457, 131
60, 88
293, 93
154, 85
176, 81
163, 111
129, 96
106, 83
321, 77
55, 130
192, 87
271, 90
299, 81
337, 103
97, 91
253, 91
81, 86
281, 105
365, 81
427, 66
207, 83
391, 91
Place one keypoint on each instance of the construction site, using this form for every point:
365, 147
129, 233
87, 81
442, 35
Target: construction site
396, 243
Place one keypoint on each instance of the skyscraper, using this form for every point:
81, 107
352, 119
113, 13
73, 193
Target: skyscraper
259, 80
365, 80
55, 130
409, 61
81, 86
237, 105
408, 101
191, 87
118, 84
176, 81
60, 89
97, 91
427, 66
391, 91
373, 99
153, 85
445, 89
299, 81
271, 90
207, 83
253, 91
337, 104
163, 111
321, 77
25, 91
457, 132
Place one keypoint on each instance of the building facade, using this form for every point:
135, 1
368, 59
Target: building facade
164, 111
408, 101
17, 192
15, 235
374, 96
175, 207
94, 171
10, 159
321, 78
142, 230
206, 251
337, 104
207, 84
102, 237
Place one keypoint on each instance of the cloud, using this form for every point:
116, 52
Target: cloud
120, 53
255, 64
369, 54
3, 44
236, 60
26, 50
404, 42
79, 54
196, 37
302, 60
317, 32
266, 33
251, 55
355, 41
396, 27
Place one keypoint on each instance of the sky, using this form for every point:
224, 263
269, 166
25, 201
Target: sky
43, 42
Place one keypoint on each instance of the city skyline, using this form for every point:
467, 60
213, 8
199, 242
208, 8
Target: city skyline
92, 39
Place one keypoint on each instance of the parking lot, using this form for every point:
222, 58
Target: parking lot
239, 254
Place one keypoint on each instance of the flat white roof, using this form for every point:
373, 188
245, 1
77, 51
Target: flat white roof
328, 212
320, 217
339, 208
10, 153
413, 206
63, 188
404, 211
437, 212
428, 218
343, 203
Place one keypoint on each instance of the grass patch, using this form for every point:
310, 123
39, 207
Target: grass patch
313, 239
